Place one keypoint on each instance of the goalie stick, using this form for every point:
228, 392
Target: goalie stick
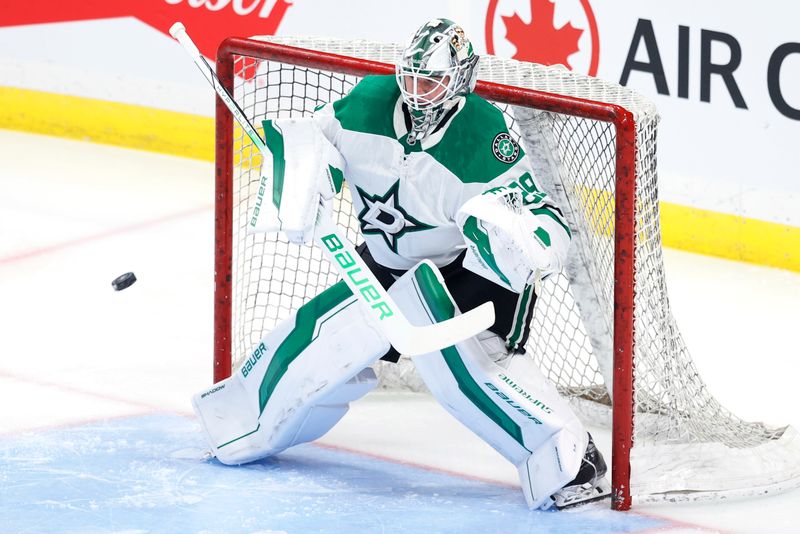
404, 337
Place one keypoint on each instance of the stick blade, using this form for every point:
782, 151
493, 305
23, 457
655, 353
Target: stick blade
434, 337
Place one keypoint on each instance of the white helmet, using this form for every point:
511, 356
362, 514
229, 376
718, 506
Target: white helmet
436, 68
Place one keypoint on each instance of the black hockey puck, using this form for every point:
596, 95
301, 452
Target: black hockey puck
123, 281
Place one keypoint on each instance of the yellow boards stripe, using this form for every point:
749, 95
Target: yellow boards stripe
192, 136
112, 123
706, 232
730, 236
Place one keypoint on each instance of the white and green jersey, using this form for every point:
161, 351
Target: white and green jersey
406, 196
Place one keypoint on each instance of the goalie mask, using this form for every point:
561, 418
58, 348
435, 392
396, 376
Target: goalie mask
436, 68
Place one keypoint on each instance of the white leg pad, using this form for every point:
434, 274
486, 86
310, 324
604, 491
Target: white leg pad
229, 421
297, 383
554, 463
323, 416
513, 407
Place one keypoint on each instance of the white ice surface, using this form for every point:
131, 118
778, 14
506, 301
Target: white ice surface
73, 216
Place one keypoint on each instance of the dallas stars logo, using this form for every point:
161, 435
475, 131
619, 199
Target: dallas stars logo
383, 215
505, 148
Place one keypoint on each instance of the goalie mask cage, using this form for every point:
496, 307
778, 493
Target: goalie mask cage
605, 321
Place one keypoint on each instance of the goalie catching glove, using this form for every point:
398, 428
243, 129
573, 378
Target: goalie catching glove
507, 243
298, 185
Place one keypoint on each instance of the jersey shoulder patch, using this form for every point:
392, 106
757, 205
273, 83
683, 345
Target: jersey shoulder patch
477, 146
369, 106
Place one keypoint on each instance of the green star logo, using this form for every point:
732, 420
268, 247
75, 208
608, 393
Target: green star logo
383, 215
506, 148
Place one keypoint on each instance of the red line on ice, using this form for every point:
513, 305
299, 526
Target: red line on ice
102, 235
672, 524
70, 389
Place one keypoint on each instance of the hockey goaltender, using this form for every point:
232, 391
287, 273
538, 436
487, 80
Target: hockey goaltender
452, 217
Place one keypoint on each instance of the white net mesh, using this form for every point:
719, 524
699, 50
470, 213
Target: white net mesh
686, 445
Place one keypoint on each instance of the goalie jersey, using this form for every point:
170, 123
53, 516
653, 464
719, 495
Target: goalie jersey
406, 196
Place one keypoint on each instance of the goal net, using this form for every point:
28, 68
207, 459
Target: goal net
602, 331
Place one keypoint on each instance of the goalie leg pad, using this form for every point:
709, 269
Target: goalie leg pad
297, 383
513, 407
322, 416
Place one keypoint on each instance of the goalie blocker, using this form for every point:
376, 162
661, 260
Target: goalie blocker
299, 381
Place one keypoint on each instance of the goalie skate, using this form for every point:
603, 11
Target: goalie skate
589, 485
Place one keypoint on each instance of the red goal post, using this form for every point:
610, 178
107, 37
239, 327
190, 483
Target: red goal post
263, 93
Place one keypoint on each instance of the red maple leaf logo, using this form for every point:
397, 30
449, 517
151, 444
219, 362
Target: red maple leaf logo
540, 41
